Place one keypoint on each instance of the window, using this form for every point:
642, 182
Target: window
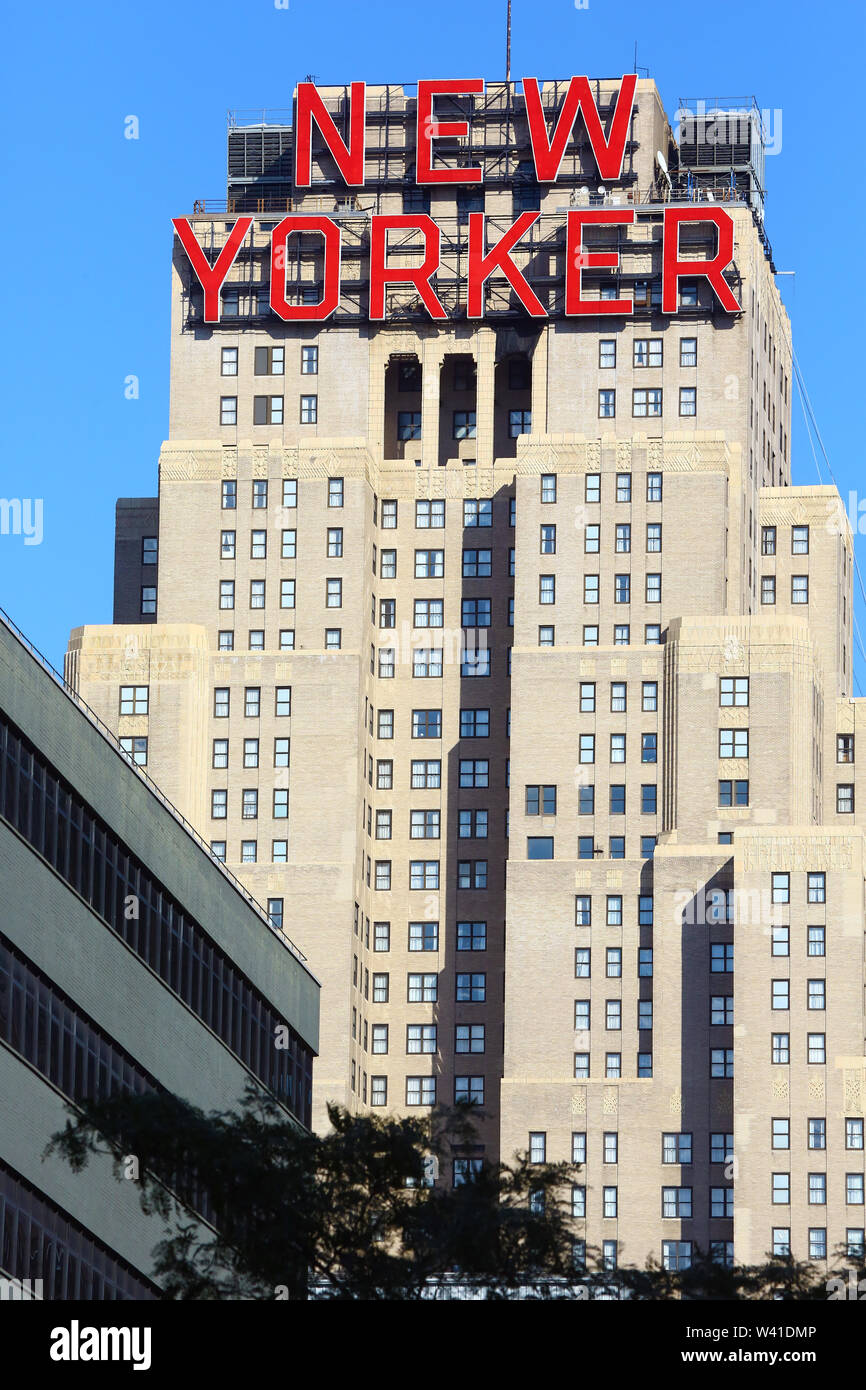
607, 352
310, 367
581, 1065
721, 1062
423, 936
676, 1254
471, 989
136, 750
388, 564
228, 410
676, 1148
541, 800
654, 487
421, 1037
477, 564
816, 887
287, 593
815, 945
408, 424
733, 743
647, 352
463, 424
547, 588
648, 748
617, 748
590, 588
816, 1051
817, 1189
427, 662
677, 1202
134, 699
688, 352
646, 402
477, 512
799, 540
855, 1242
592, 487
780, 993
733, 690
817, 1133
219, 804
853, 1134
768, 588
427, 723
606, 406
816, 994
227, 593
389, 514
474, 772
623, 487
653, 538
538, 847
799, 588
519, 422
430, 514
622, 588
469, 1037
733, 793
688, 400
537, 1147
722, 1201
781, 1048
423, 874
471, 936
780, 946
474, 723
781, 1133
227, 545
845, 798
721, 957
653, 591
844, 748
472, 873
221, 698
257, 593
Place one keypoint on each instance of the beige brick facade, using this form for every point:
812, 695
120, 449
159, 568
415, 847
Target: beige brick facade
658, 718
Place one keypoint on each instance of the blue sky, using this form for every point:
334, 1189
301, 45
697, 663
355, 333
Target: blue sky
87, 256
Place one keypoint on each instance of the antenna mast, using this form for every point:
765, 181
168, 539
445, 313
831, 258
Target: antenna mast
508, 46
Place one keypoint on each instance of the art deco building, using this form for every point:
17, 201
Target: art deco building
502, 660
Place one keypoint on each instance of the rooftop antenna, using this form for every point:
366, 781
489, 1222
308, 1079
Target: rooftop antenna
508, 46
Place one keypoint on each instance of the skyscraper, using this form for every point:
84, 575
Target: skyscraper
493, 648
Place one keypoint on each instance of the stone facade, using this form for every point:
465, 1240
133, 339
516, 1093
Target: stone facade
656, 717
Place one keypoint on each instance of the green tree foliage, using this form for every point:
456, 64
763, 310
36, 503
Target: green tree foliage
348, 1214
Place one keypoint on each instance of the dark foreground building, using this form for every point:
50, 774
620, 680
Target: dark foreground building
130, 960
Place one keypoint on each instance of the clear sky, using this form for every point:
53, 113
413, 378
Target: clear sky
87, 227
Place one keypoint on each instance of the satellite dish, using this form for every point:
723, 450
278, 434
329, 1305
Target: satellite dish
661, 161
710, 198
600, 190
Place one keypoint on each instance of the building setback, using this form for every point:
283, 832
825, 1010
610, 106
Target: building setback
502, 656
129, 962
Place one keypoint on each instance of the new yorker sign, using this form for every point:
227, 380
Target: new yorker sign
548, 149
